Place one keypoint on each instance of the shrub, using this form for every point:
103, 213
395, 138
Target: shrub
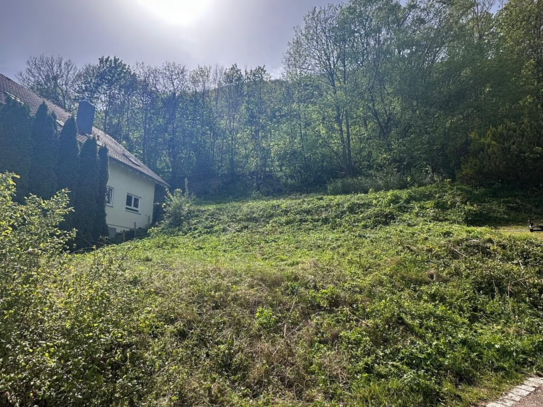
16, 143
177, 208
385, 180
70, 336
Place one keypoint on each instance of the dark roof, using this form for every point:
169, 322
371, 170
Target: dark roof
117, 152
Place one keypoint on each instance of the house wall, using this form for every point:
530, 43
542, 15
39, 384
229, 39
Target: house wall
126, 181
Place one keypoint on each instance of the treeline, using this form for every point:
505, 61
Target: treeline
373, 91
46, 162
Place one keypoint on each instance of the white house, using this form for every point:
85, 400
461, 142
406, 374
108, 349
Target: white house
131, 186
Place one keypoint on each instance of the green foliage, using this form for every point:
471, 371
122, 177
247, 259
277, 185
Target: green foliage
520, 23
68, 166
88, 186
104, 84
100, 226
177, 208
381, 181
374, 95
70, 335
68, 156
379, 299
15, 143
42, 179
509, 154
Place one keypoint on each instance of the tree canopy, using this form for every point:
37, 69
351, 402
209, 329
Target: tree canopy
370, 89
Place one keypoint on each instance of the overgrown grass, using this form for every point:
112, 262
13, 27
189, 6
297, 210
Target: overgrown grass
396, 298
381, 299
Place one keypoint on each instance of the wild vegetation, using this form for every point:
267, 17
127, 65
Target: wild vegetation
390, 299
409, 92
405, 295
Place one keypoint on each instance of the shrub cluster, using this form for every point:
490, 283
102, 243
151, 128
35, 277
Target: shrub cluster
72, 334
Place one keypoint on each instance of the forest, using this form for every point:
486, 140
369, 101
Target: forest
373, 95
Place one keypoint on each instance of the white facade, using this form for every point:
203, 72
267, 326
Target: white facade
137, 211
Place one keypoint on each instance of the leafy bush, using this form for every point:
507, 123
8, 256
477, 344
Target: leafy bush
177, 208
71, 335
385, 180
509, 154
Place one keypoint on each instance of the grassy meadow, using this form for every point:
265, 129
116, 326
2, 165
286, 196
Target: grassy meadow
401, 298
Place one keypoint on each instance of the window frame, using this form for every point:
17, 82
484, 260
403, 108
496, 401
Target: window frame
110, 203
132, 208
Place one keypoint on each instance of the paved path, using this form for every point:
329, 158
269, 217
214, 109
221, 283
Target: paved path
533, 400
528, 394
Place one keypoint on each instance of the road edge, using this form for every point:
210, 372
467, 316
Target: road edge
519, 393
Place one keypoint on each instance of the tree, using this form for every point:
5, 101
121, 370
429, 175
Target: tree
100, 225
258, 111
16, 143
521, 23
510, 154
88, 185
53, 78
234, 93
318, 50
42, 179
173, 87
68, 166
105, 85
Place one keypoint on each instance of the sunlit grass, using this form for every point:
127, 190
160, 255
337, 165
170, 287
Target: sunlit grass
384, 299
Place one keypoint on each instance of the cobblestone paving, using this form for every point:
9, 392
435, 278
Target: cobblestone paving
528, 394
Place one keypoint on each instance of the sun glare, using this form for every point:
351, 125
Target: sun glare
177, 12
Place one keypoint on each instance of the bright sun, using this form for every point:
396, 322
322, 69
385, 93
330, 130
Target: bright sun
177, 12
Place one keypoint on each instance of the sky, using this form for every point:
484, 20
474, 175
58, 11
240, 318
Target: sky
190, 32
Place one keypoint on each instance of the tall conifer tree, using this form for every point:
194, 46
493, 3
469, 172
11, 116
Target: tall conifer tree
68, 166
88, 184
42, 176
15, 143
101, 229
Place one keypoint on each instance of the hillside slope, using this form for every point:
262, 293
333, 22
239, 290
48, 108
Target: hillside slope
381, 299
397, 298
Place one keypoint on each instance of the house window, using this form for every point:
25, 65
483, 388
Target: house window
109, 196
132, 203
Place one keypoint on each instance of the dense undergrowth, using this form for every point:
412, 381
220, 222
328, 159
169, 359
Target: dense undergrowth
390, 299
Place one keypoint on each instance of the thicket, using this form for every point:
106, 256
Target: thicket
66, 339
510, 155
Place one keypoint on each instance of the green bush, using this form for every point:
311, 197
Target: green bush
177, 208
510, 154
71, 335
385, 180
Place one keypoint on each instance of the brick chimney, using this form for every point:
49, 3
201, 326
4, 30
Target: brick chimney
85, 117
